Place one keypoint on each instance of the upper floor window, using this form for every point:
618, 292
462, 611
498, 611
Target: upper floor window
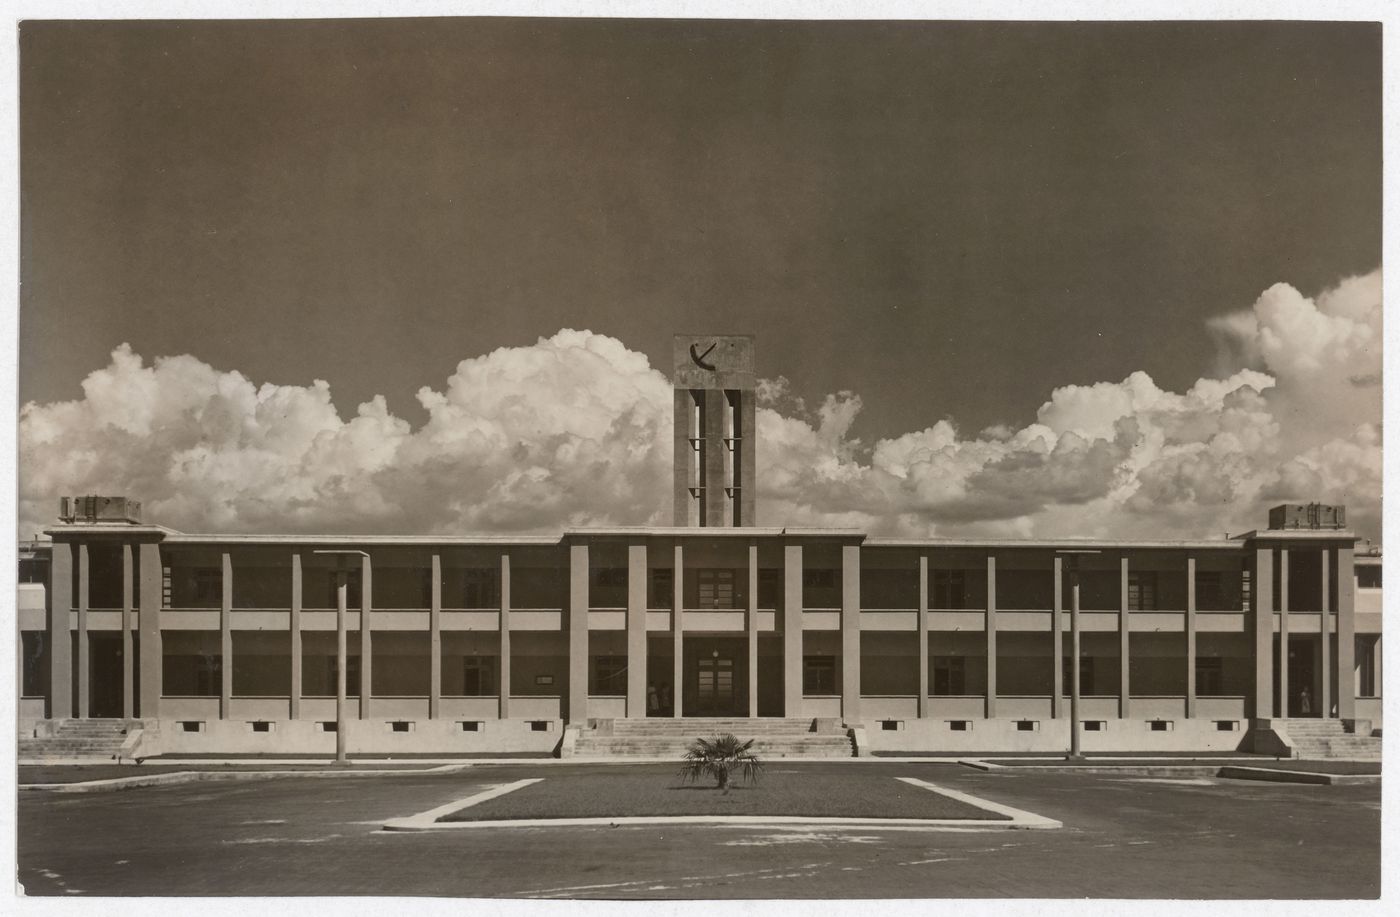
947, 589
716, 588
1142, 590
1369, 576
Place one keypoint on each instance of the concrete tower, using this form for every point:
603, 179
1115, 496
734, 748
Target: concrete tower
713, 479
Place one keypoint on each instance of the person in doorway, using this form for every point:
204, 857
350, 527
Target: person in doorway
1305, 702
653, 701
666, 708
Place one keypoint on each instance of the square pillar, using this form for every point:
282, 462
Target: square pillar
435, 636
792, 630
1262, 583
60, 603
677, 630
128, 649
152, 657
1057, 666
991, 635
753, 625
1324, 629
746, 477
683, 454
366, 637
636, 630
1125, 628
1190, 636
294, 629
714, 417
1346, 632
503, 661
578, 633
226, 637
850, 633
1281, 702
923, 637
84, 656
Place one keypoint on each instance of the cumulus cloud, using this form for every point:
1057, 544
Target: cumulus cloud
576, 430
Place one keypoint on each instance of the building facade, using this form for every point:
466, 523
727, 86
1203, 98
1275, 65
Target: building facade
228, 643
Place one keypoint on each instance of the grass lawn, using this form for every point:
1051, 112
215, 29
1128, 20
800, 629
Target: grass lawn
654, 791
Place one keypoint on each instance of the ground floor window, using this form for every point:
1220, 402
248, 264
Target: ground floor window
1210, 677
949, 675
819, 675
35, 650
319, 666
1367, 674
192, 663
608, 676
479, 676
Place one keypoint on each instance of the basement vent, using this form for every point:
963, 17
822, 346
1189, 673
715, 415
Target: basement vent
191, 725
1160, 725
401, 726
1027, 725
1094, 725
891, 725
471, 725
1227, 725
960, 725
539, 725
328, 726
261, 726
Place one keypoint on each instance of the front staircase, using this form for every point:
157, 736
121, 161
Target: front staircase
658, 737
76, 740
1329, 738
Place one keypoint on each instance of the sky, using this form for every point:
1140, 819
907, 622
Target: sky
421, 275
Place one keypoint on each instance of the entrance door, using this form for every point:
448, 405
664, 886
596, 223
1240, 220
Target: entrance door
1302, 669
105, 683
714, 690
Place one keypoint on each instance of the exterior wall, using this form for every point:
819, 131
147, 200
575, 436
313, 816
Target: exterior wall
228, 634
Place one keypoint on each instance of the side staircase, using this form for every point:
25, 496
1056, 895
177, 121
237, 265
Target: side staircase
1329, 738
659, 737
88, 740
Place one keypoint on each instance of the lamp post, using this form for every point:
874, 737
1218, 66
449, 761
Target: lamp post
341, 589
1072, 561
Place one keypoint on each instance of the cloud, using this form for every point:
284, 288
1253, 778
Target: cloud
575, 429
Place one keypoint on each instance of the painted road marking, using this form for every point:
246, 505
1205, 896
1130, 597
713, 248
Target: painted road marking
430, 818
1021, 817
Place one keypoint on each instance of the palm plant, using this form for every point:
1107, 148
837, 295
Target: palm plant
719, 758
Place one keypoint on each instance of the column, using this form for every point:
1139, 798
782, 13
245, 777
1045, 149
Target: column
366, 637
128, 649
1346, 632
503, 663
677, 630
923, 637
850, 633
1281, 702
60, 602
152, 656
636, 630
681, 456
1057, 666
226, 637
792, 630
753, 622
1125, 628
713, 417
1324, 630
84, 657
990, 626
294, 627
435, 635
748, 463
1190, 636
578, 633
1262, 584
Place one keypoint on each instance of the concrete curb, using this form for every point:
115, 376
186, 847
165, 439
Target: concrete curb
1274, 775
175, 778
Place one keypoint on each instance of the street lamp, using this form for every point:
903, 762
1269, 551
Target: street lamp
1072, 562
341, 587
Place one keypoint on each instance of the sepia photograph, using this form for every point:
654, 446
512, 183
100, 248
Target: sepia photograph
668, 458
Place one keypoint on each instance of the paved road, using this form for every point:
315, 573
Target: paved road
1123, 837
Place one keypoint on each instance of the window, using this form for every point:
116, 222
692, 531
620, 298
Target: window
352, 589
36, 663
947, 589
891, 725
539, 725
716, 588
949, 676
1210, 590
1142, 590
1367, 682
1027, 725
1160, 725
662, 589
770, 588
1368, 576
960, 725
479, 676
819, 579
609, 676
1227, 725
819, 675
1246, 589
481, 587
208, 586
1094, 725
1210, 676
612, 577
34, 570
1086, 676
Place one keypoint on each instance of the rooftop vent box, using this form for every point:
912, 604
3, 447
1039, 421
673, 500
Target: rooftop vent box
1308, 516
99, 509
